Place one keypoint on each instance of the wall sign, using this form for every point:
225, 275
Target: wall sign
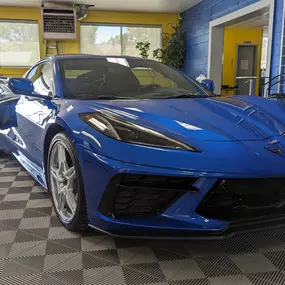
244, 64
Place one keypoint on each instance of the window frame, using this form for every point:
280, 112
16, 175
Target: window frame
121, 26
2, 20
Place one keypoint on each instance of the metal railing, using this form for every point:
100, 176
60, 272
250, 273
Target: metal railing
272, 87
252, 83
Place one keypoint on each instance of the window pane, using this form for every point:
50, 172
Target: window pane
19, 43
89, 78
41, 76
148, 76
100, 40
133, 35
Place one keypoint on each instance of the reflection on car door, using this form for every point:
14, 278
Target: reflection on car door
8, 103
32, 114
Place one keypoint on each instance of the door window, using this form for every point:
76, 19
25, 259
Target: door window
42, 78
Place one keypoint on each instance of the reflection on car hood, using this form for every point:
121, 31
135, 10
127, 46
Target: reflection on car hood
211, 119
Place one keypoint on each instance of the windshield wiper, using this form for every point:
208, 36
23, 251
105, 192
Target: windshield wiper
91, 96
186, 96
110, 97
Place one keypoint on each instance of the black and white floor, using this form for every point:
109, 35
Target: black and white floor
35, 249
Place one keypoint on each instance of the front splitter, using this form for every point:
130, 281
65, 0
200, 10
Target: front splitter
257, 225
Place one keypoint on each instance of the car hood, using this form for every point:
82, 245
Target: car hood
239, 118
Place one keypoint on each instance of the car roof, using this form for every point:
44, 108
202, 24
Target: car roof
76, 56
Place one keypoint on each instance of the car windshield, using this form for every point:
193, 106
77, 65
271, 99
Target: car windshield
125, 78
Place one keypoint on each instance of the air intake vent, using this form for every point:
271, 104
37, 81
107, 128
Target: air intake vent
135, 195
59, 24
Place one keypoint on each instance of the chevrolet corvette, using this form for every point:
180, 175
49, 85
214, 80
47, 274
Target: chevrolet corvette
133, 147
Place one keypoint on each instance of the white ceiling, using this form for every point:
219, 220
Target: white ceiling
161, 6
260, 22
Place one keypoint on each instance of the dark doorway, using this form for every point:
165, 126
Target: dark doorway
246, 66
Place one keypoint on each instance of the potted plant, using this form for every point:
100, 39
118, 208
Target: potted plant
173, 50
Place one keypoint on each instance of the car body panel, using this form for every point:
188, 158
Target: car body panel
234, 135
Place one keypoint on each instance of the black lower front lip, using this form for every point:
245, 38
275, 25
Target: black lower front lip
253, 226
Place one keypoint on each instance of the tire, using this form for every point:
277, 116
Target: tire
79, 221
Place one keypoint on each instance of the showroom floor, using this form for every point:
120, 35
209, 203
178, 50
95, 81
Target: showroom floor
35, 249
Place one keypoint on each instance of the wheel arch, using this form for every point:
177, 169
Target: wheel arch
79, 220
52, 130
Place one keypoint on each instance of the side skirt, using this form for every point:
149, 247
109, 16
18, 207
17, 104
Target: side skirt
35, 171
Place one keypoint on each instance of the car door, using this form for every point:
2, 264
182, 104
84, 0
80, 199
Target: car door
33, 113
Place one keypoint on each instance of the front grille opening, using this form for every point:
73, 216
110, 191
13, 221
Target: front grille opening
236, 200
130, 195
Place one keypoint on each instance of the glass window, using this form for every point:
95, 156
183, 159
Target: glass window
90, 78
149, 76
42, 78
101, 40
19, 43
118, 40
132, 35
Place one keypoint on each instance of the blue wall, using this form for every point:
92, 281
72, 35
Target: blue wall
277, 38
196, 22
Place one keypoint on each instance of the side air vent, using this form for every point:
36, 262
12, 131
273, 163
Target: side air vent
59, 24
134, 195
239, 200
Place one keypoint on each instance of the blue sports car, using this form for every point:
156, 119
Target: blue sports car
133, 147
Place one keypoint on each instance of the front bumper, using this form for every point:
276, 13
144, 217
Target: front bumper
178, 220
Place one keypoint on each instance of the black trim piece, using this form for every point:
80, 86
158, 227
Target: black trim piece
58, 11
239, 200
230, 231
131, 195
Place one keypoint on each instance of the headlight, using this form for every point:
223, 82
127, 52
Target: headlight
125, 131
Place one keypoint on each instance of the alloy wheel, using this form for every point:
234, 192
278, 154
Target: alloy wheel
63, 182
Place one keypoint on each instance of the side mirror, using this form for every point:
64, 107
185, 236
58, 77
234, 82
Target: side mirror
20, 85
208, 84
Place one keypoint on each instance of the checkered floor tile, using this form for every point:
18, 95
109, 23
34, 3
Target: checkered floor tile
36, 249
